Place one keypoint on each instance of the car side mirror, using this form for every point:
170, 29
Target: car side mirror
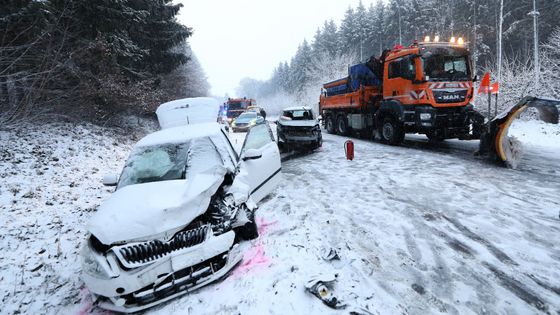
251, 154
110, 180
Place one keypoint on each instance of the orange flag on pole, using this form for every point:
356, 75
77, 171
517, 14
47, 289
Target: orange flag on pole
495, 88
484, 87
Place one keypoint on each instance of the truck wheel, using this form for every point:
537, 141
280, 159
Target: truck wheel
391, 131
435, 138
341, 126
329, 124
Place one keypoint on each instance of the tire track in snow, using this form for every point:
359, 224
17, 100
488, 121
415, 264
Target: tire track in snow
517, 288
500, 255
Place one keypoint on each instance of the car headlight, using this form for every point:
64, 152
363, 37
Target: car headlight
233, 124
425, 116
253, 122
91, 265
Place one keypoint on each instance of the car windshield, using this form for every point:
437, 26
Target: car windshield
248, 116
155, 163
299, 114
449, 68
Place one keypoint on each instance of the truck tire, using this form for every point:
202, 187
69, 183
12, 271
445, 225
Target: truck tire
434, 137
341, 125
391, 131
329, 124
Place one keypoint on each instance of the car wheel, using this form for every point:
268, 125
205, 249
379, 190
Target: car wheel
281, 146
329, 124
341, 126
249, 231
391, 131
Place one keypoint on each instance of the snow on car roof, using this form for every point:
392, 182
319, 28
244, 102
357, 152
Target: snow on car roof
296, 108
187, 111
180, 134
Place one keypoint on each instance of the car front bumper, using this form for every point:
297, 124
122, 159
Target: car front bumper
133, 290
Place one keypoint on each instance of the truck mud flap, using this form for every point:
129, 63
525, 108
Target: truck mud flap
507, 150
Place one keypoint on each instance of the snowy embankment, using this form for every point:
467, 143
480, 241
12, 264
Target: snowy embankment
418, 229
50, 185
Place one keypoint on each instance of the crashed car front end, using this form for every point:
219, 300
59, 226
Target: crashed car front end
168, 230
299, 134
138, 275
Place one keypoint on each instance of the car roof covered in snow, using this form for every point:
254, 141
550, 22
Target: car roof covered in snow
296, 108
180, 134
187, 111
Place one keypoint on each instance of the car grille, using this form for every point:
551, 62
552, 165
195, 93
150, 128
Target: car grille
299, 131
138, 254
241, 124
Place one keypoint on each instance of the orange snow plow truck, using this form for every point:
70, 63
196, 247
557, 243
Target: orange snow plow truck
425, 88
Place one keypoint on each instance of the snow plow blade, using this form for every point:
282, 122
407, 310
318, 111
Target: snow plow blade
495, 142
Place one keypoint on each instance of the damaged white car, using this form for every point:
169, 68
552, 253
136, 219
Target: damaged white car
184, 203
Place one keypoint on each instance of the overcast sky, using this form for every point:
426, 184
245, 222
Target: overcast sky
234, 39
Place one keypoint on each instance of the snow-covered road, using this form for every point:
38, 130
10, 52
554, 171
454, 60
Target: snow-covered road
419, 229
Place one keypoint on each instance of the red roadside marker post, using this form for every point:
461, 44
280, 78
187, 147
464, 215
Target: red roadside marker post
484, 88
495, 89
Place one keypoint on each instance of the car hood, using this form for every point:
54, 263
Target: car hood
141, 211
298, 123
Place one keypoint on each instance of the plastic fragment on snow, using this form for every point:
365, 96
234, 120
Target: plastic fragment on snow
321, 286
330, 254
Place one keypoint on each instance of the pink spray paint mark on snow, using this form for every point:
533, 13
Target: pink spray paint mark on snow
85, 301
255, 257
86, 304
263, 226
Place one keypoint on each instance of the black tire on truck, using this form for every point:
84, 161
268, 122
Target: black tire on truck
329, 124
435, 138
391, 131
341, 125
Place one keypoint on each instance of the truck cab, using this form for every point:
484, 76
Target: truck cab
428, 88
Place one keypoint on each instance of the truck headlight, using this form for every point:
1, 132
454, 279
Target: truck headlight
91, 265
425, 116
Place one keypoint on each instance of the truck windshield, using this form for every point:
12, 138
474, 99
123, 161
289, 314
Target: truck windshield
446, 68
237, 105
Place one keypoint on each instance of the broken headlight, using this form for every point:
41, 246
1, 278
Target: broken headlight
91, 265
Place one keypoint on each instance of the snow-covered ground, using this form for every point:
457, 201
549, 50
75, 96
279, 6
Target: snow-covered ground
418, 229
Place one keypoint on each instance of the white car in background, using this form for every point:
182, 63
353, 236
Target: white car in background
184, 204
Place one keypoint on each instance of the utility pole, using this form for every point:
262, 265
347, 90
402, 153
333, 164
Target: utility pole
361, 46
475, 51
500, 22
400, 30
536, 65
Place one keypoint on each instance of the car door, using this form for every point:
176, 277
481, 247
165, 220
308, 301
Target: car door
262, 173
